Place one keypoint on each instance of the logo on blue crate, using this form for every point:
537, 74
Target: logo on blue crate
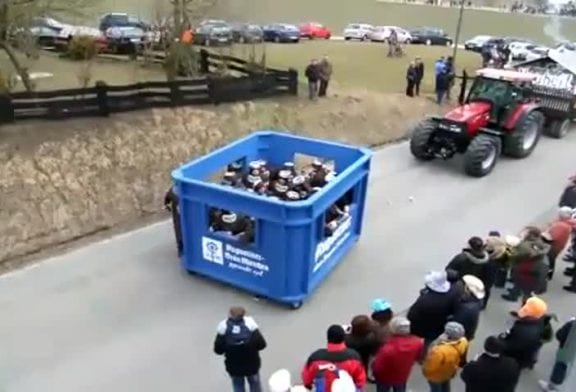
326, 248
235, 258
213, 250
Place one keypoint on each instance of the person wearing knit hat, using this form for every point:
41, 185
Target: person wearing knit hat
530, 330
467, 310
491, 371
395, 359
381, 315
315, 374
445, 357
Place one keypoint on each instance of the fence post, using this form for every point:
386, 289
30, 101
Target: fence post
175, 96
293, 81
204, 63
6, 109
102, 98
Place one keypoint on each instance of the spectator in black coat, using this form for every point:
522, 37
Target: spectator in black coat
419, 65
568, 198
442, 85
468, 309
411, 76
238, 338
313, 73
450, 72
491, 371
475, 261
363, 338
531, 329
431, 311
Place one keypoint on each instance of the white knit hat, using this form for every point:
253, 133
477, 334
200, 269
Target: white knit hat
565, 212
280, 381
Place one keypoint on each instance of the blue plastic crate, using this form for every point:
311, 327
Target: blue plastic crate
290, 255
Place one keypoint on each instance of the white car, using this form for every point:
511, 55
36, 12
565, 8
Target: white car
476, 43
360, 31
523, 51
382, 33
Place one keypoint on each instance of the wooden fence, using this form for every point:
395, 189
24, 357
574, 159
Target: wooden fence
103, 99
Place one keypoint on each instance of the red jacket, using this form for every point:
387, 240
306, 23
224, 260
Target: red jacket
560, 231
393, 362
341, 357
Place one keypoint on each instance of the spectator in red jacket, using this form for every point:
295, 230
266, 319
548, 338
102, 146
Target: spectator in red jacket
395, 359
323, 364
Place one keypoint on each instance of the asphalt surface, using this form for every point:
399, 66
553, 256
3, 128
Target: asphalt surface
120, 315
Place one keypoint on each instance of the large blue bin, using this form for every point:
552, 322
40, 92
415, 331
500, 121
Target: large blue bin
290, 255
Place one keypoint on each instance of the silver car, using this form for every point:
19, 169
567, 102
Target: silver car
382, 33
359, 31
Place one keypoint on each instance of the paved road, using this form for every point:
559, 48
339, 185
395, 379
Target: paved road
121, 316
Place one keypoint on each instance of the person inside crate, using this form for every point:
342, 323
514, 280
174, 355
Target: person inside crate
333, 217
234, 224
301, 186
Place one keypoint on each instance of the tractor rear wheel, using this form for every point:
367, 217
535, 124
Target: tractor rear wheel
525, 136
420, 140
558, 128
482, 155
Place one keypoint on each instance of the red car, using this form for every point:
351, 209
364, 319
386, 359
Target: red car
313, 30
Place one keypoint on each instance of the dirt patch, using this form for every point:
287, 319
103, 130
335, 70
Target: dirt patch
64, 180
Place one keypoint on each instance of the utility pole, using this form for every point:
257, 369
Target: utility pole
458, 28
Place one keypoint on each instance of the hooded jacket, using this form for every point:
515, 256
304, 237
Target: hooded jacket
444, 358
525, 339
365, 345
530, 265
491, 373
395, 359
469, 263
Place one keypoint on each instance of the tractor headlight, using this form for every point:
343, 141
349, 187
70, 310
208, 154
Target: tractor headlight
456, 128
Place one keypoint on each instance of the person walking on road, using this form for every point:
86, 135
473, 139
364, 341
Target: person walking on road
474, 260
172, 204
531, 329
468, 309
324, 365
239, 339
411, 77
565, 356
445, 356
429, 314
419, 75
312, 73
491, 371
393, 363
325, 75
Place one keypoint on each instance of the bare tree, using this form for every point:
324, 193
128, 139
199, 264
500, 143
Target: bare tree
16, 17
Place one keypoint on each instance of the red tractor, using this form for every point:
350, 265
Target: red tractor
499, 116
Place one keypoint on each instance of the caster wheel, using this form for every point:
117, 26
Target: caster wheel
296, 305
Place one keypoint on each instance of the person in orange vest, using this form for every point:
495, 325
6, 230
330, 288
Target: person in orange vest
187, 35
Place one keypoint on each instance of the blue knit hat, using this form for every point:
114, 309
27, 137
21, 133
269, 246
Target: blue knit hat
380, 305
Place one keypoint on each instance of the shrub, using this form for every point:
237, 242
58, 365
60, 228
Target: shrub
82, 48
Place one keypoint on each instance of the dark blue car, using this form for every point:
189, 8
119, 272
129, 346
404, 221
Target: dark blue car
281, 32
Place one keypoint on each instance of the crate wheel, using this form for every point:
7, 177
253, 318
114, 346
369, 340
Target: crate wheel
296, 305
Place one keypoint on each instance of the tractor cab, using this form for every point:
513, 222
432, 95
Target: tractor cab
502, 89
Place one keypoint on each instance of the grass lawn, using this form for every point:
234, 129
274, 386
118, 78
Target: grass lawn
66, 73
337, 13
365, 65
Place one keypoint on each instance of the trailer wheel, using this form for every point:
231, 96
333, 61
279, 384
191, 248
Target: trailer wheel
296, 305
481, 155
420, 140
525, 135
558, 128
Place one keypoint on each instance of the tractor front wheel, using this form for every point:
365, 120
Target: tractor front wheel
481, 155
558, 128
420, 140
525, 136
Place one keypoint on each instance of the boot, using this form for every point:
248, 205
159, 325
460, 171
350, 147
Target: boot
547, 386
510, 297
570, 288
569, 271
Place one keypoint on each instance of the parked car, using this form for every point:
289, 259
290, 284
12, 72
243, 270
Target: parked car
476, 43
382, 33
247, 32
46, 30
117, 19
522, 51
359, 31
430, 36
213, 32
125, 39
313, 30
281, 32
